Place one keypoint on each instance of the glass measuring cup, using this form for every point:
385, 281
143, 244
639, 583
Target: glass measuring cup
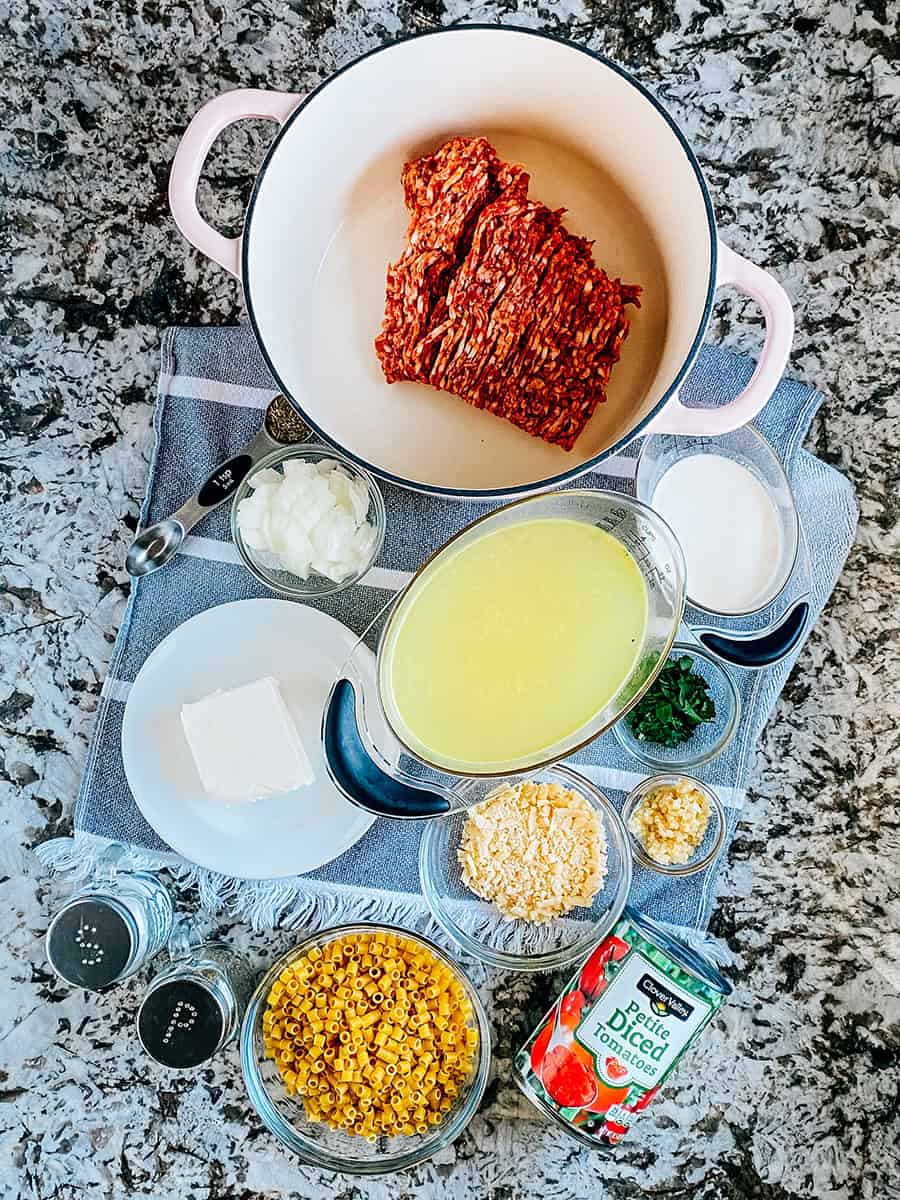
367, 756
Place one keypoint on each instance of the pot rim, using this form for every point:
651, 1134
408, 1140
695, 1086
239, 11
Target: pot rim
583, 468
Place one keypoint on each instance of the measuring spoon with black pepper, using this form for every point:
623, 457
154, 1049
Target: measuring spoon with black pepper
158, 544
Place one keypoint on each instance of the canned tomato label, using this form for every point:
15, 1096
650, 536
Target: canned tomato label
618, 1030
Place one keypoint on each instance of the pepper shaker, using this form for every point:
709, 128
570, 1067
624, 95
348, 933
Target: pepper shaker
194, 1006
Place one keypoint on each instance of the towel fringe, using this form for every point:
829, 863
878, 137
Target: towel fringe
261, 903
277, 903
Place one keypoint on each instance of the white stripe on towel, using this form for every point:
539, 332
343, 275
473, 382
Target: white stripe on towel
618, 467
624, 781
116, 689
216, 550
193, 387
213, 549
386, 579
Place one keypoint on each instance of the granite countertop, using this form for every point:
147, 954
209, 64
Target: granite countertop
793, 111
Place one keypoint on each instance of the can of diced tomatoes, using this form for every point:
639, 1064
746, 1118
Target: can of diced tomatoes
618, 1031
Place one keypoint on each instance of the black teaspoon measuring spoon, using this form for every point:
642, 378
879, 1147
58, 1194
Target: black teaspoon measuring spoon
158, 544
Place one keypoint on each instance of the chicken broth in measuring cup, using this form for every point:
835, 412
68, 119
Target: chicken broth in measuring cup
514, 643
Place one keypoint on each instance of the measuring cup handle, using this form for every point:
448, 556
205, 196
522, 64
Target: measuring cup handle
754, 653
355, 774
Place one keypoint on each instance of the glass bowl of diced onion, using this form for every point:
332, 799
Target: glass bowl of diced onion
515, 943
336, 1149
328, 521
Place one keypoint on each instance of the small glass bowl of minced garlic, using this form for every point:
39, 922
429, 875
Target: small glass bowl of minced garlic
675, 823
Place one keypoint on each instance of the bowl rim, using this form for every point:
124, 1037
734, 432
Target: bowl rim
675, 870
707, 446
307, 450
636, 749
287, 1134
550, 960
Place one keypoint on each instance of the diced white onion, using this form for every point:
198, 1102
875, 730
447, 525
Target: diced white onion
310, 519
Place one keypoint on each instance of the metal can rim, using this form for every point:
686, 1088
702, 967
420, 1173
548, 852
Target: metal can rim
686, 957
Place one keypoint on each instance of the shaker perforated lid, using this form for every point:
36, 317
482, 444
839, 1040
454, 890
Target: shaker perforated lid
181, 1023
90, 942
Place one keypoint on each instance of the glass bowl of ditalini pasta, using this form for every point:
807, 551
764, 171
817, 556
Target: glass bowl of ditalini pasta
365, 1049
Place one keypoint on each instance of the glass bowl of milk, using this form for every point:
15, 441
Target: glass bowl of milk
730, 505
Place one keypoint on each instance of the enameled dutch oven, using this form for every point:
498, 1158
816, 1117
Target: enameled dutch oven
327, 215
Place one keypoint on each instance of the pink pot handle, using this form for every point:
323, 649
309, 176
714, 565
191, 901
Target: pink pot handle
744, 275
205, 127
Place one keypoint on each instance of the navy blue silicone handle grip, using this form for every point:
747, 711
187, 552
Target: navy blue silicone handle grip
356, 774
753, 653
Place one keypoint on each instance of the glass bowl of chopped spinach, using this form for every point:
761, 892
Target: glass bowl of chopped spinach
687, 717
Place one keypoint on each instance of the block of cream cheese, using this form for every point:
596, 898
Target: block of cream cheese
245, 743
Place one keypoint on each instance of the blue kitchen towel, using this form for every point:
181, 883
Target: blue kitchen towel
212, 389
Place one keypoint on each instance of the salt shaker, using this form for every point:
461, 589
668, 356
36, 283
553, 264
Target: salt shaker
110, 929
194, 1006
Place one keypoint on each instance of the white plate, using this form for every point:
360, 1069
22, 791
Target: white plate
225, 647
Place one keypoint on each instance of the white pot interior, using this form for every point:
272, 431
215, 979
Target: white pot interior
329, 215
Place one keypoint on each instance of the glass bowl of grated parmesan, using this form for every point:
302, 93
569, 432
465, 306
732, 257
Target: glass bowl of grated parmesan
531, 873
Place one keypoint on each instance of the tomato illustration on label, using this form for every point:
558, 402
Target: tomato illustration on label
539, 1046
615, 1069
566, 1078
607, 1097
583, 1055
593, 974
570, 1009
569, 1016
